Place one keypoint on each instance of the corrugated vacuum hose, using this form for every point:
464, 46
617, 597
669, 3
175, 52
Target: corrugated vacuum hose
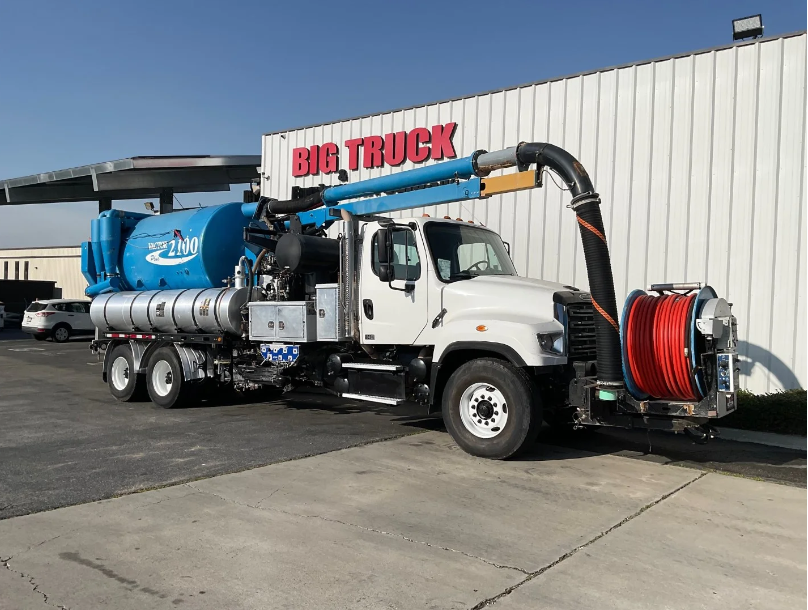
586, 205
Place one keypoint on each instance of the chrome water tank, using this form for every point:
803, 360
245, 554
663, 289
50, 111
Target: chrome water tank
211, 310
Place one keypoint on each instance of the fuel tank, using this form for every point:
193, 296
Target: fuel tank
196, 248
211, 310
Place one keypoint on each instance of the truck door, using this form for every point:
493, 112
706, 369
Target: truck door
393, 312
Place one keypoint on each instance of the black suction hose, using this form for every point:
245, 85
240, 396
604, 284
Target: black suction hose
586, 204
293, 206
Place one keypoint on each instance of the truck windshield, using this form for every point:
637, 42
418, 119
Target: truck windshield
461, 252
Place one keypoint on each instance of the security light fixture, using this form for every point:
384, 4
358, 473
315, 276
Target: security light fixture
747, 27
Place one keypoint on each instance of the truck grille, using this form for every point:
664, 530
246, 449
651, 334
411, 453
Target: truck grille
580, 331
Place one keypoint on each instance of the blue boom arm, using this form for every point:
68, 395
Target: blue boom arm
425, 186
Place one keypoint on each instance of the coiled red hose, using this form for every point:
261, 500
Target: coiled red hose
657, 339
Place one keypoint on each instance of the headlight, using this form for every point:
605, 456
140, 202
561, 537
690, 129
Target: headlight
552, 343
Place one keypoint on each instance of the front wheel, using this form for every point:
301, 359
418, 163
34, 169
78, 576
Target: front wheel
164, 380
491, 408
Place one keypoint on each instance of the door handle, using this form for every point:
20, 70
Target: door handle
367, 305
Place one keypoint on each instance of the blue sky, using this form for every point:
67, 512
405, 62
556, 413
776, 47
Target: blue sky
84, 82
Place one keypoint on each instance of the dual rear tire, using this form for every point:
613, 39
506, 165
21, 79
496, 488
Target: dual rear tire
164, 381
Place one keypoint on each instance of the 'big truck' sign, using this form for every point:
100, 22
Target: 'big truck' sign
392, 149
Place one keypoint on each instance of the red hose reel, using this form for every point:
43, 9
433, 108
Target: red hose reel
657, 342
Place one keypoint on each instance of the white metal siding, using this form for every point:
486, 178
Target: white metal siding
62, 265
699, 160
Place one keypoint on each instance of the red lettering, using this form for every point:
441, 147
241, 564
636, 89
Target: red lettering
329, 158
300, 162
442, 141
415, 152
353, 152
372, 156
395, 148
315, 157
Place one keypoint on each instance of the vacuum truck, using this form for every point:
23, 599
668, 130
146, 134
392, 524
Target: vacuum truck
324, 289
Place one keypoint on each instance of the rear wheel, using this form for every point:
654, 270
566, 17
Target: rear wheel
164, 379
491, 408
60, 333
124, 382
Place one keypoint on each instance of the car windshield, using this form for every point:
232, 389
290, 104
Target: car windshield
462, 252
36, 307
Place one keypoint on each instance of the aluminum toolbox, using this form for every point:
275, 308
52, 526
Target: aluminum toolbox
327, 309
283, 321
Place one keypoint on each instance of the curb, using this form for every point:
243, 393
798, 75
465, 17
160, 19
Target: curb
786, 441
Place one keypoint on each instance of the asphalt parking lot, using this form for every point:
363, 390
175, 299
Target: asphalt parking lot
64, 440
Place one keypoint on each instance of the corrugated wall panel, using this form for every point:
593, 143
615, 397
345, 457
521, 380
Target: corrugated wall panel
699, 160
764, 217
743, 188
568, 227
700, 179
675, 190
788, 345
800, 343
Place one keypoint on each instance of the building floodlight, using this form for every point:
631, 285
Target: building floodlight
747, 27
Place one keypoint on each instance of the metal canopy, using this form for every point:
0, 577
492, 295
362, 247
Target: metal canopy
132, 178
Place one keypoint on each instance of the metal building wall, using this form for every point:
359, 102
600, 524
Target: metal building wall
700, 162
62, 265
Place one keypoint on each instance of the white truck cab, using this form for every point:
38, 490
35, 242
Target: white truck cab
452, 282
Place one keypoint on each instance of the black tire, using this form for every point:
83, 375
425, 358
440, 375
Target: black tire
125, 385
59, 336
521, 402
166, 385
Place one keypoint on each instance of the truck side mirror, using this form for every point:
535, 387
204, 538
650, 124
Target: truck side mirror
384, 252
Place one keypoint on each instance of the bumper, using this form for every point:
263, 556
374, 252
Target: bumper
35, 330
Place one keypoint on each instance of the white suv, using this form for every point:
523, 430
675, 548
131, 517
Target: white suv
57, 318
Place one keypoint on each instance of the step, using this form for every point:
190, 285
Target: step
391, 368
380, 399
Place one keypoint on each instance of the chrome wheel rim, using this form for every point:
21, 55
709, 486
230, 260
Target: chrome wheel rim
120, 373
483, 410
162, 378
60, 334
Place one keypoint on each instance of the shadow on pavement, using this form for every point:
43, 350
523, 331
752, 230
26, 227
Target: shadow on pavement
730, 457
313, 399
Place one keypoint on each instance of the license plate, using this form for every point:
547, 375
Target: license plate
279, 352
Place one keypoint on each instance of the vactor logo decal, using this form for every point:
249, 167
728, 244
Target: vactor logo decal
174, 252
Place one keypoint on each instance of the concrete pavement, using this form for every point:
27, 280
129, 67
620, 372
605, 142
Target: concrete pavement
416, 523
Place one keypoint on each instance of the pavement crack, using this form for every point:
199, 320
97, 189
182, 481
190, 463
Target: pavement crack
34, 586
364, 528
532, 575
38, 544
268, 497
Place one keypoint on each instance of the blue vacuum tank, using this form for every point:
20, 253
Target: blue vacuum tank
195, 248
